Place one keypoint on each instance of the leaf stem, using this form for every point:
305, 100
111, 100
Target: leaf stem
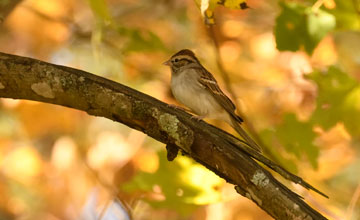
315, 8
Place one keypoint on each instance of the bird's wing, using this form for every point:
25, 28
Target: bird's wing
210, 83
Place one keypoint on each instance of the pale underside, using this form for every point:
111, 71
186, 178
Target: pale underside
195, 96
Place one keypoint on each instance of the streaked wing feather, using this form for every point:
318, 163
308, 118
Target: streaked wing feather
211, 84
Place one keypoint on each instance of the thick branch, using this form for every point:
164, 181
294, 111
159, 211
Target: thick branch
25, 78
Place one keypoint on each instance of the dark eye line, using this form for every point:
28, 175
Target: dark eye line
182, 59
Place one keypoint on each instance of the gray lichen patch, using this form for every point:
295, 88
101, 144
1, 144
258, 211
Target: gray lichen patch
169, 123
43, 89
57, 87
103, 98
302, 216
121, 105
175, 129
2, 86
260, 179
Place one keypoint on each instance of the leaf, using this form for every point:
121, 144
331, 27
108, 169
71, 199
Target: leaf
269, 138
351, 112
290, 27
299, 27
234, 4
297, 137
338, 100
346, 14
207, 7
184, 184
100, 9
318, 25
140, 40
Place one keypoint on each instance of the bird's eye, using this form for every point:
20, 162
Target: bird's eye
176, 60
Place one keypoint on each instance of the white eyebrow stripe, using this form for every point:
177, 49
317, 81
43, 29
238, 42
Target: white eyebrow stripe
184, 57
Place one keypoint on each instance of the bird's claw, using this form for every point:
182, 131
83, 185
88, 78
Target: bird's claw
197, 118
176, 107
173, 106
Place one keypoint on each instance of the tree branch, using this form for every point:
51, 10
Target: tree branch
231, 159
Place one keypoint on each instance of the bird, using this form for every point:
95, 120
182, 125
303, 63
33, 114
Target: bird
196, 88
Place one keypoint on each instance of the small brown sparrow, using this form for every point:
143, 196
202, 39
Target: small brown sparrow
196, 88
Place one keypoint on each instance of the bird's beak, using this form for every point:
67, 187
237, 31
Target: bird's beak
166, 63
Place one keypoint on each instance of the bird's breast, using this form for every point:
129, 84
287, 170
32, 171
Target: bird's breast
187, 90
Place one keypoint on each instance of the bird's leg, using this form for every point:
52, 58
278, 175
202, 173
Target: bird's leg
197, 117
174, 106
178, 107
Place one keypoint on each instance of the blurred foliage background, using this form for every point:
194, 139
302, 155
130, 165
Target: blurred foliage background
294, 67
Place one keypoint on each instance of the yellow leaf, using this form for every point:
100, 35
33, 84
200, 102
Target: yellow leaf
207, 7
234, 4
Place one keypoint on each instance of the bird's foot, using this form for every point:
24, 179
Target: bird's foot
176, 107
197, 118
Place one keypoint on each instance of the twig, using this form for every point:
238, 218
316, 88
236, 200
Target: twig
316, 6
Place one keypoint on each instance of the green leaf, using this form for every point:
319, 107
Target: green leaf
297, 137
143, 40
100, 9
346, 14
351, 112
338, 100
196, 184
300, 27
318, 25
269, 138
290, 27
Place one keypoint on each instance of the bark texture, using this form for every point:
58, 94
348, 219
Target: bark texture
228, 157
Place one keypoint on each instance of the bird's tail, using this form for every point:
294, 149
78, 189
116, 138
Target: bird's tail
250, 142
